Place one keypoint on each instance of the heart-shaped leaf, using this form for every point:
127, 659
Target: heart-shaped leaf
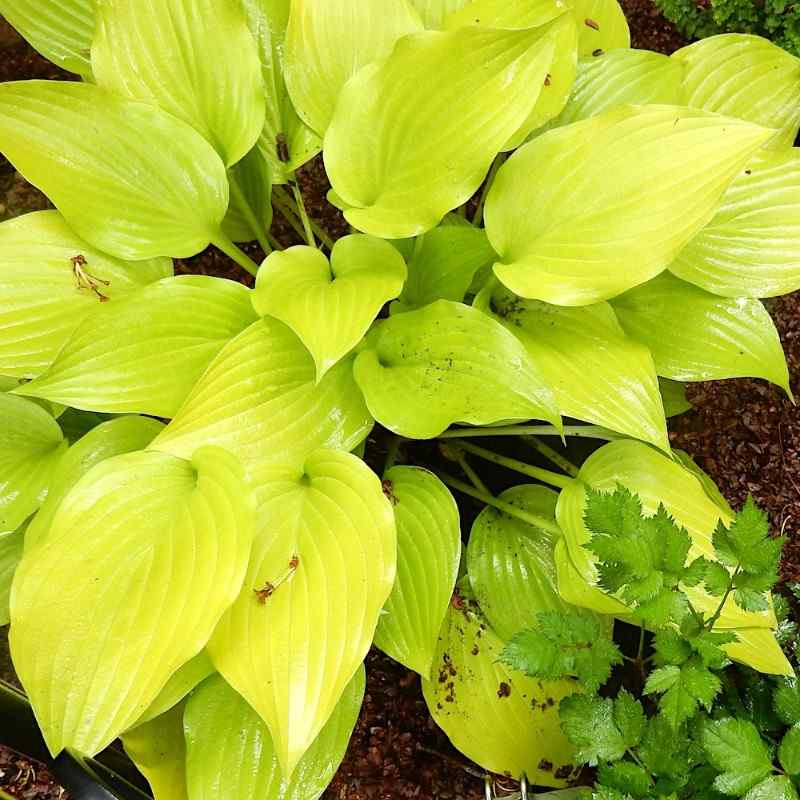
50, 279
457, 97
602, 25
230, 754
11, 547
31, 444
596, 372
428, 557
144, 352
330, 306
145, 554
435, 12
447, 362
250, 211
260, 400
131, 179
328, 41
748, 249
698, 336
322, 566
498, 717
569, 235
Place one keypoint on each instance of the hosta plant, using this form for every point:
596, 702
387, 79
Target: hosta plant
212, 502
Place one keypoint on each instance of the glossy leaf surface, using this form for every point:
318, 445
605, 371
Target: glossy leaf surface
610, 28
11, 547
435, 12
507, 14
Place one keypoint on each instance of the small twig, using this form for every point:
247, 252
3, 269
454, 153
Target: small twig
579, 431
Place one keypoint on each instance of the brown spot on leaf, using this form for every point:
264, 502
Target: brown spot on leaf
503, 690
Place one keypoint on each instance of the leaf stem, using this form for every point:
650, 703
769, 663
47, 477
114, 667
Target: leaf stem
477, 219
303, 214
255, 226
288, 202
391, 454
579, 431
473, 476
552, 455
718, 613
232, 251
288, 213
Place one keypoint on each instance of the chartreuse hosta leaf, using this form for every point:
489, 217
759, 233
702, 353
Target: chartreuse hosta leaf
154, 188
744, 76
424, 370
50, 279
698, 336
434, 13
673, 395
749, 247
428, 557
498, 717
147, 50
595, 371
260, 400
12, 544
508, 14
31, 444
330, 305
122, 435
456, 98
658, 479
230, 754
250, 211
144, 352
602, 25
61, 30
322, 566
144, 555
568, 234
328, 41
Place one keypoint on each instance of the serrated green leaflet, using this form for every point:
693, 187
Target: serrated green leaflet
698, 336
250, 211
120, 609
147, 50
322, 566
602, 26
61, 30
744, 76
748, 249
230, 754
112, 438
435, 12
424, 370
498, 717
457, 98
31, 444
595, 371
428, 556
260, 400
789, 751
144, 352
328, 41
568, 234
168, 185
330, 305
11, 547
50, 279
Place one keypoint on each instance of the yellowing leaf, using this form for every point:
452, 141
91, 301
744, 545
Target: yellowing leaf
259, 399
31, 444
44, 293
11, 546
602, 26
595, 371
586, 211
498, 717
131, 179
414, 135
328, 41
424, 370
744, 76
330, 306
322, 566
435, 12
145, 554
230, 754
697, 336
144, 352
428, 557
749, 248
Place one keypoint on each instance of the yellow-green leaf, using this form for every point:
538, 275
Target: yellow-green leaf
145, 554
46, 290
744, 76
749, 248
507, 14
698, 336
250, 211
328, 41
144, 352
435, 12
673, 395
131, 179
12, 544
424, 370
260, 400
428, 557
498, 717
602, 26
568, 233
230, 754
330, 305
456, 98
322, 566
